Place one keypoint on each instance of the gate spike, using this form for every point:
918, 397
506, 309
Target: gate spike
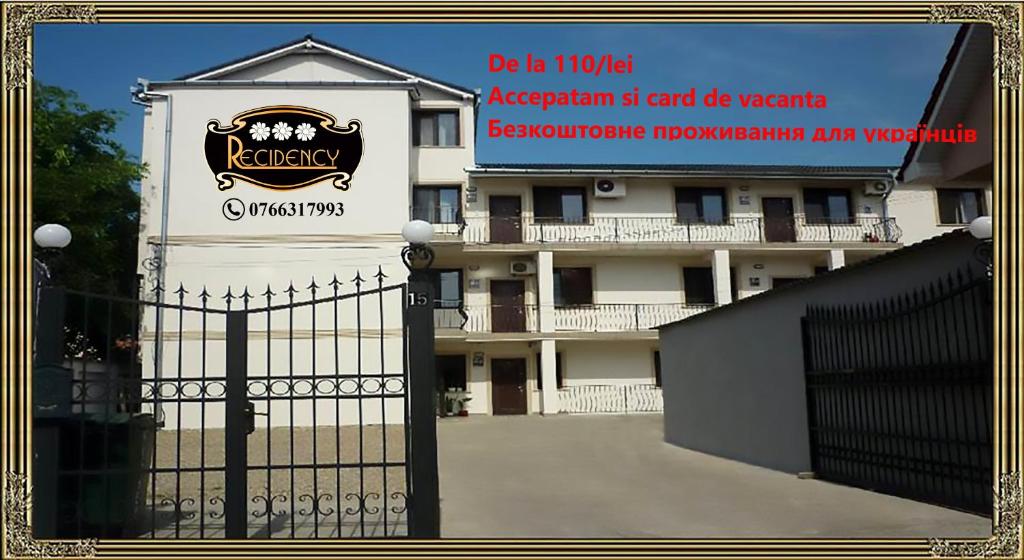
228, 296
158, 287
358, 280
246, 296
335, 282
312, 284
269, 292
181, 291
380, 274
204, 295
291, 290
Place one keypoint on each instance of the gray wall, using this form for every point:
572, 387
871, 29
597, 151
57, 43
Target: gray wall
733, 377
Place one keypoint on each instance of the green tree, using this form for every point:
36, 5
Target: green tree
82, 178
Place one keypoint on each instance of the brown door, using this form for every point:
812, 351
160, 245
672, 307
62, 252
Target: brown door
508, 385
508, 307
506, 219
778, 219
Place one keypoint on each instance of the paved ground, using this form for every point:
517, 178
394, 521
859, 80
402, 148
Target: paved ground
613, 476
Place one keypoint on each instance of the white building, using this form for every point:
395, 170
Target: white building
550, 277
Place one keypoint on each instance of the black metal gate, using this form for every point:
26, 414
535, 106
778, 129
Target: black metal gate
899, 393
276, 415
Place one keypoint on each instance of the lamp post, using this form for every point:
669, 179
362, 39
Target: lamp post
51, 381
51, 238
424, 499
981, 229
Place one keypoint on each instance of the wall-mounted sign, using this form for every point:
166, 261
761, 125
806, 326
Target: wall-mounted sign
283, 147
478, 359
745, 199
755, 281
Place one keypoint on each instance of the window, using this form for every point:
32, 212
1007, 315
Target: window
700, 205
558, 372
828, 206
698, 285
573, 286
451, 372
779, 282
437, 205
435, 128
657, 368
560, 205
960, 206
448, 288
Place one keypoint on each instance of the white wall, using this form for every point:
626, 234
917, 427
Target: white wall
607, 362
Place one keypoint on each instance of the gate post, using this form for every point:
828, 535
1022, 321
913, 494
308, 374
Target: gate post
425, 510
236, 426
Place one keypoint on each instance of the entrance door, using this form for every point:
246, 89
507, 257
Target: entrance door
506, 219
508, 308
778, 219
508, 385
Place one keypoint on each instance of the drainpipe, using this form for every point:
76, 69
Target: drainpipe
142, 95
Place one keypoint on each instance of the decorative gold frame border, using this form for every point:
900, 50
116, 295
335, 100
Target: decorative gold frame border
18, 20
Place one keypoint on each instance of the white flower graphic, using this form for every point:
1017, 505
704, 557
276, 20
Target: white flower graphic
259, 131
305, 131
282, 131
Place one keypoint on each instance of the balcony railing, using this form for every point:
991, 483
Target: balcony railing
610, 399
798, 229
497, 318
617, 317
601, 317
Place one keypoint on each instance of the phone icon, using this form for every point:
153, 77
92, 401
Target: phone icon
233, 209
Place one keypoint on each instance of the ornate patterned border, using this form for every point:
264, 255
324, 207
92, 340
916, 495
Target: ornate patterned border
18, 533
20, 18
1006, 535
1005, 21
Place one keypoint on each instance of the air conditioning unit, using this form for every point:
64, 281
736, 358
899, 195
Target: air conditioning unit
609, 188
876, 188
522, 268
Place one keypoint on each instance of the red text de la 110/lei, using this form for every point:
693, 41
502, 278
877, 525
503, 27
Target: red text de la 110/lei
572, 64
607, 64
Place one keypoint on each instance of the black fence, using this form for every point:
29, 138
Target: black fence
277, 415
899, 393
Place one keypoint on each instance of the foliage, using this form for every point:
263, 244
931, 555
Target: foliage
82, 178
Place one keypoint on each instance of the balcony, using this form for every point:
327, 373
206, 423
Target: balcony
633, 230
601, 317
618, 317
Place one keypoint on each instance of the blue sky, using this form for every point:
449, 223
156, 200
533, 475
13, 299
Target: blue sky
877, 75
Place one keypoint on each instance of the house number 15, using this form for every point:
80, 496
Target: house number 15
417, 299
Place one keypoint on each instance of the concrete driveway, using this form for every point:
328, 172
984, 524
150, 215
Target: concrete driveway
613, 476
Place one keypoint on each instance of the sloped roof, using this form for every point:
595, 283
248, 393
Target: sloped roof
310, 42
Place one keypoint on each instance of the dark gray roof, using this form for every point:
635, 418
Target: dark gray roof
330, 45
696, 169
933, 99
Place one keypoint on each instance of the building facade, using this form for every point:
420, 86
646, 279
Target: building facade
550, 279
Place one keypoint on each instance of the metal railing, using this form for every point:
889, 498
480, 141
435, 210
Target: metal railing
601, 317
614, 317
496, 318
625, 229
610, 399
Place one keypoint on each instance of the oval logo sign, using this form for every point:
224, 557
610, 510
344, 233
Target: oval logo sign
283, 147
